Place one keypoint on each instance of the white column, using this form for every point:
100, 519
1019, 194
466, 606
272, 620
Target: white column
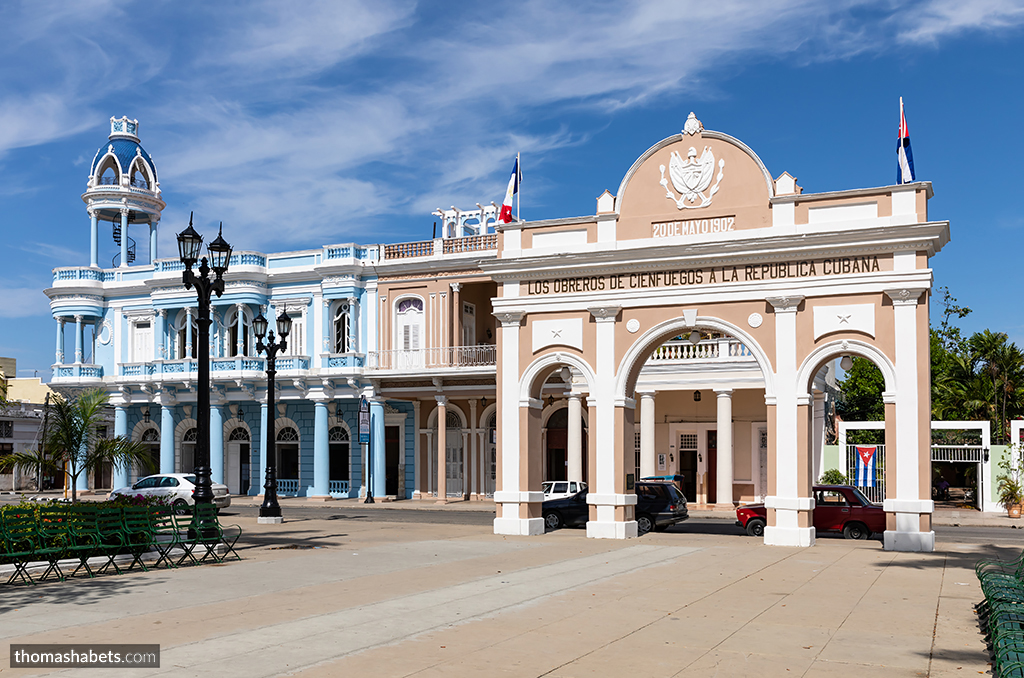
124, 238
78, 338
647, 465
442, 448
511, 494
908, 504
153, 231
60, 341
818, 433
786, 501
603, 493
575, 435
240, 329
188, 332
417, 484
470, 453
724, 473
94, 239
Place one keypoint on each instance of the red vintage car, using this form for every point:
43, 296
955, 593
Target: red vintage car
837, 508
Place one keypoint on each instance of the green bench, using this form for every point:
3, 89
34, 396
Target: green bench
52, 533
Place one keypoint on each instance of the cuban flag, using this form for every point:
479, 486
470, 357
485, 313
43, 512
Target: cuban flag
505, 215
904, 157
865, 474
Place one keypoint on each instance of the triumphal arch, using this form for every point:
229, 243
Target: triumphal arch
701, 241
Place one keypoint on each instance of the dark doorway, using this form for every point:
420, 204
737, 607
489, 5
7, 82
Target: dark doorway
712, 467
103, 476
392, 451
688, 469
245, 467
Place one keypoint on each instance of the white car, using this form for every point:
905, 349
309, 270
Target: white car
177, 487
556, 489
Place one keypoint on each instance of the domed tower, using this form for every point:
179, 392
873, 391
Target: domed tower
124, 190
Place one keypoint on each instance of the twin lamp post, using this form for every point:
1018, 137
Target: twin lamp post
190, 245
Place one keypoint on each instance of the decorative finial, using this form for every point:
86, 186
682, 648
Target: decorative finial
693, 125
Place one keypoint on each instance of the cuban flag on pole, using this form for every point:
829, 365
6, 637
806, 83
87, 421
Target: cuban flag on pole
511, 192
865, 474
904, 157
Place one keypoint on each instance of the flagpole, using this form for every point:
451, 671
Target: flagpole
518, 183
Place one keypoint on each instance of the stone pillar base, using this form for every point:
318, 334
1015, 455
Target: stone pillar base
788, 536
728, 506
269, 520
321, 498
525, 527
909, 541
600, 529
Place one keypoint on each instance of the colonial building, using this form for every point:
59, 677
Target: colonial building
687, 327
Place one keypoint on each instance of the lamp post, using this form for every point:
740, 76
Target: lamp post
190, 245
270, 510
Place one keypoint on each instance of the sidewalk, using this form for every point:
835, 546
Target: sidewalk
334, 597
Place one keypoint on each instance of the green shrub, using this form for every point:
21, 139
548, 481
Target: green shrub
137, 500
833, 476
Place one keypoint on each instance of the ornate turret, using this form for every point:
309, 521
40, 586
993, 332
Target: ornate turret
124, 190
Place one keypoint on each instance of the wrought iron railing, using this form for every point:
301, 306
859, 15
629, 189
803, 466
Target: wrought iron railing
874, 491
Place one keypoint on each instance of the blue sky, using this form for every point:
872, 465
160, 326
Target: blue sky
325, 122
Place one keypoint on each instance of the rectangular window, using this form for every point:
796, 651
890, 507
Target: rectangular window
6, 429
6, 448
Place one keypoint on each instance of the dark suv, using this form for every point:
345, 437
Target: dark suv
658, 505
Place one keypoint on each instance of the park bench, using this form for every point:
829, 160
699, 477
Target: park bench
53, 533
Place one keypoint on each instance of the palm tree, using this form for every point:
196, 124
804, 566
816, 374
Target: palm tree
73, 444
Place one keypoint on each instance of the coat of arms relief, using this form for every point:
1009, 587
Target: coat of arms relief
692, 177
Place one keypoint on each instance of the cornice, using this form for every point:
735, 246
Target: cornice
930, 237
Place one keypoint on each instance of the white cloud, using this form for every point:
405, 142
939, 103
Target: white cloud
22, 302
942, 18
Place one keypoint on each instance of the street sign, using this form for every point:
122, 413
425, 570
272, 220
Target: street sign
364, 422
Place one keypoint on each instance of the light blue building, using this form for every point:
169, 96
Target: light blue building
127, 325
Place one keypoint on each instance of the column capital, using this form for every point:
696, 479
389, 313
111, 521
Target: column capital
510, 318
905, 296
604, 313
161, 312
646, 394
787, 304
456, 286
723, 392
125, 211
78, 319
442, 400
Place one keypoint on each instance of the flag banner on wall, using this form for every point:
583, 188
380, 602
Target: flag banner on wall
865, 475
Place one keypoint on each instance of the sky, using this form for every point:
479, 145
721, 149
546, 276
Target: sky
300, 125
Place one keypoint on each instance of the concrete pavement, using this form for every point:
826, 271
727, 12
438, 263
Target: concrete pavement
318, 597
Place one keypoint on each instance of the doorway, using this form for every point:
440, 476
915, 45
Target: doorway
712, 487
237, 468
392, 453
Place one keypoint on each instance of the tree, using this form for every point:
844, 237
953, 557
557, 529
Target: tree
74, 445
861, 390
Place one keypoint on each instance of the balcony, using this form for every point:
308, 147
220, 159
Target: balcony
77, 372
725, 349
441, 246
480, 358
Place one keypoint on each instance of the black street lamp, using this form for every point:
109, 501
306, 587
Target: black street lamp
190, 245
270, 508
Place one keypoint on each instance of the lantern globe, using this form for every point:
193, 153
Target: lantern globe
259, 326
190, 244
284, 325
220, 252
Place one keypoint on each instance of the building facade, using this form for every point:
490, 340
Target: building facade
688, 327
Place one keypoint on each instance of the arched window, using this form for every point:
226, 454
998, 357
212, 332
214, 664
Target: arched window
238, 433
288, 453
409, 329
186, 345
338, 448
139, 176
188, 450
234, 346
150, 435
343, 335
110, 173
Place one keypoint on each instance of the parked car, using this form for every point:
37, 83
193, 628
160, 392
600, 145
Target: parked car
658, 506
557, 489
176, 487
837, 508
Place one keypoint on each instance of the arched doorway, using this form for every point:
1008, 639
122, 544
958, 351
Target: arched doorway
557, 449
288, 460
340, 460
454, 457
239, 455
187, 460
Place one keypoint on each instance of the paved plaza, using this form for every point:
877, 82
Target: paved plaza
330, 595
